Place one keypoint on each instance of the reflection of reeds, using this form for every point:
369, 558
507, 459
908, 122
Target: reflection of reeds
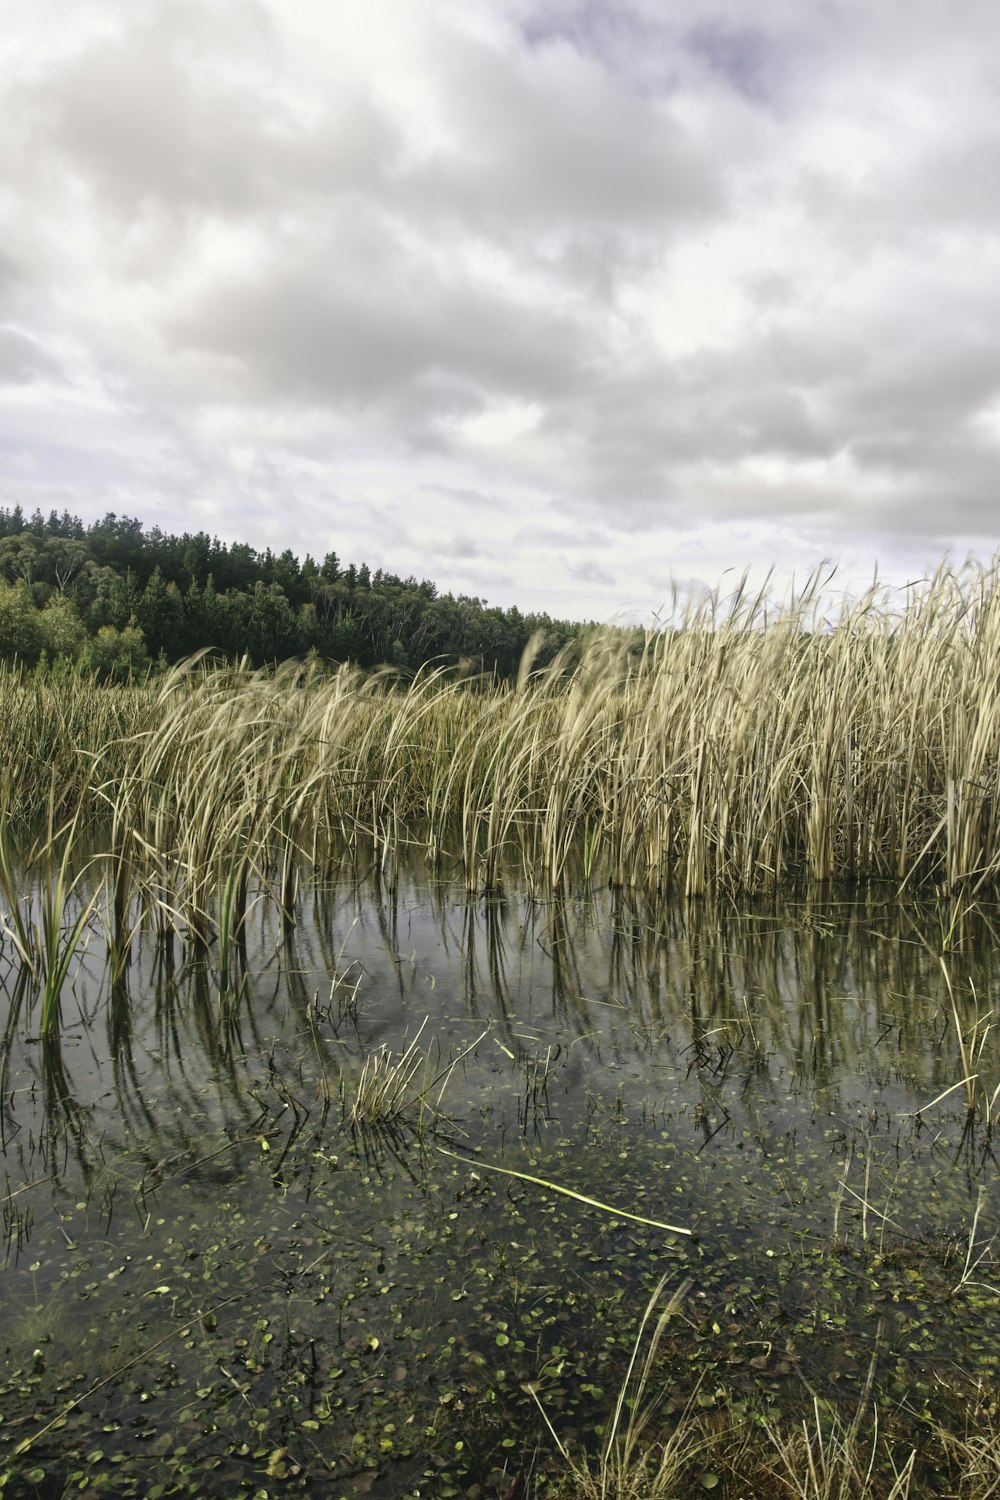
17, 1221
980, 1100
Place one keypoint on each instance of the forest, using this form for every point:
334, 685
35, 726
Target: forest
118, 598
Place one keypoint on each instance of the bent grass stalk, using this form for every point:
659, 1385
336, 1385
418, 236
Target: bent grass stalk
555, 1187
976, 1254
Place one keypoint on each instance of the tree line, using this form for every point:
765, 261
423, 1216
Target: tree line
118, 598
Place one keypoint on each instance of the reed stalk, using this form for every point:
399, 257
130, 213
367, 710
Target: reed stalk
747, 743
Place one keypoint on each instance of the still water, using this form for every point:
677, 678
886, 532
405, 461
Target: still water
228, 1269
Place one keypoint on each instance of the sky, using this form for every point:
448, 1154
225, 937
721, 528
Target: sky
559, 303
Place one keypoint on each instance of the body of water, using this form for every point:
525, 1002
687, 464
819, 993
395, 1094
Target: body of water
346, 1226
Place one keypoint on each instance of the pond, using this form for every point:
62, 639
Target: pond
384, 1219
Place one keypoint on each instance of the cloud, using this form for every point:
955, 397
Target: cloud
24, 361
591, 572
464, 547
627, 276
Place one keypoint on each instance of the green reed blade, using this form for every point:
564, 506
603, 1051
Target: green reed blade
555, 1187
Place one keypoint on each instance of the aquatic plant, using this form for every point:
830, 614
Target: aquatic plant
826, 1458
738, 745
392, 1088
632, 1464
16, 916
63, 927
49, 926
385, 1088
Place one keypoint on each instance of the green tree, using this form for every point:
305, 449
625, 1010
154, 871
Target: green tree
65, 558
62, 630
21, 557
114, 599
117, 655
21, 637
272, 633
160, 613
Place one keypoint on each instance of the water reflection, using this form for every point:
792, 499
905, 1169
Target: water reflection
774, 1075
738, 1018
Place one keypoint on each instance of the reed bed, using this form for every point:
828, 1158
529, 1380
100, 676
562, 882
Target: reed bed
744, 746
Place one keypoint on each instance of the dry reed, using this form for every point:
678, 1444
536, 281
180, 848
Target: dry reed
743, 746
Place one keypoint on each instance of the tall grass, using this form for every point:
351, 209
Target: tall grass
745, 745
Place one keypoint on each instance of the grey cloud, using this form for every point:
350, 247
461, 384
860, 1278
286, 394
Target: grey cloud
143, 123
591, 572
894, 394
463, 546
358, 320
464, 496
678, 591
22, 360
173, 113
553, 137
743, 55
389, 286
659, 50
555, 538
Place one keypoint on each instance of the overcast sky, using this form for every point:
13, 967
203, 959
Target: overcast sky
552, 301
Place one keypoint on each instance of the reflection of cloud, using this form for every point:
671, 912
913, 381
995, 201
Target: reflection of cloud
744, 276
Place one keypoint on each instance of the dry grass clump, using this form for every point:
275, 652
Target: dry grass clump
402, 1090
975, 1454
825, 1457
631, 1465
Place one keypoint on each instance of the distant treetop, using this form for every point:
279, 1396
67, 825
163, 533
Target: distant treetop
116, 596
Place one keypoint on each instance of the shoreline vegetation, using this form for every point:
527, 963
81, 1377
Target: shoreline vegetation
747, 747
735, 752
117, 600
